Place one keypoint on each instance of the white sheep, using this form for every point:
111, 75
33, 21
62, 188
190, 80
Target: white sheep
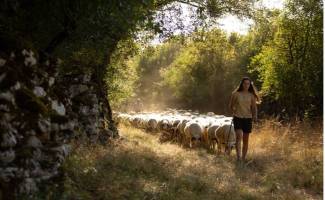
151, 124
226, 137
194, 130
211, 136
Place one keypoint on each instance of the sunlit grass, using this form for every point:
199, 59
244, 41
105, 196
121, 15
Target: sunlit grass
286, 163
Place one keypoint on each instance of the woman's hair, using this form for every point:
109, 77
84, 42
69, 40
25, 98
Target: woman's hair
252, 89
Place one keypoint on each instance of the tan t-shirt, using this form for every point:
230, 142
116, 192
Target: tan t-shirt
242, 104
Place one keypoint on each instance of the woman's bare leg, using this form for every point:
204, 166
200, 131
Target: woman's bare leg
239, 135
245, 144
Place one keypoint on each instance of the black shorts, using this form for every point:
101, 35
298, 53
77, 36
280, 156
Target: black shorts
243, 123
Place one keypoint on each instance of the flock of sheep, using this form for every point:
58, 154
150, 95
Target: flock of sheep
186, 127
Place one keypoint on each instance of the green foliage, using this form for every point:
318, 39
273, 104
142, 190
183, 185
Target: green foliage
86, 34
198, 71
81, 23
204, 73
260, 34
290, 65
122, 73
281, 53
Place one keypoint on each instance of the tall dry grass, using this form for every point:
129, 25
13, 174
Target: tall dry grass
285, 163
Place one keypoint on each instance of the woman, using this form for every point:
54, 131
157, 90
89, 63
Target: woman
243, 107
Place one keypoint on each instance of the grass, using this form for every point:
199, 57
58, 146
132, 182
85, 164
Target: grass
286, 163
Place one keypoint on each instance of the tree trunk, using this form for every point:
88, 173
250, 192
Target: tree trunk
102, 91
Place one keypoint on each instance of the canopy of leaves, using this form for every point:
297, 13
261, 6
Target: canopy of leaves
290, 66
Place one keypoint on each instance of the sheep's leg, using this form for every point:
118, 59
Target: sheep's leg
228, 150
211, 147
219, 150
181, 140
179, 136
219, 147
188, 141
203, 141
184, 140
175, 135
207, 142
212, 144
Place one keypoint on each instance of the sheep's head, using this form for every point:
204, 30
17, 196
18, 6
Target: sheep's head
165, 125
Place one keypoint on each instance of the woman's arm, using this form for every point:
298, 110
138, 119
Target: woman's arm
231, 103
254, 108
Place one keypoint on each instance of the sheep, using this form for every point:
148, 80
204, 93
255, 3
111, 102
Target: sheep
184, 126
211, 136
177, 124
205, 123
210, 114
194, 129
163, 125
135, 121
216, 122
226, 137
151, 124
180, 130
174, 123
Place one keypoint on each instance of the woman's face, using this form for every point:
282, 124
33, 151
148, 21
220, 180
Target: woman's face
246, 85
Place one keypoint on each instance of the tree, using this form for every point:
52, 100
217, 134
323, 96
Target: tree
203, 74
71, 30
290, 66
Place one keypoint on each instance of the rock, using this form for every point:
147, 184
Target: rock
12, 55
44, 125
39, 91
2, 62
2, 76
7, 173
8, 140
64, 149
77, 89
7, 156
7, 96
58, 107
27, 186
17, 86
41, 112
51, 81
29, 57
33, 141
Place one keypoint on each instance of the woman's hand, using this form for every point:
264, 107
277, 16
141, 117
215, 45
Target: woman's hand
255, 119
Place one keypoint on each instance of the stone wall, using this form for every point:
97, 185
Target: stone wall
41, 113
